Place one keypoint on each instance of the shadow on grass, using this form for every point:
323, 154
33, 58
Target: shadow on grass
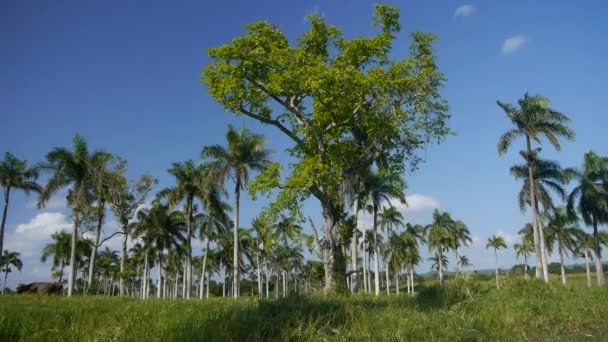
286, 319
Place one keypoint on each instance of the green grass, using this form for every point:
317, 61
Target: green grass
471, 311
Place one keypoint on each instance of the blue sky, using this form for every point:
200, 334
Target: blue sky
125, 75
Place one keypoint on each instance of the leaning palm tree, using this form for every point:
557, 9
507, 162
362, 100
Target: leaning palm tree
496, 242
15, 175
245, 153
563, 229
7, 260
379, 188
439, 238
534, 118
523, 249
76, 169
590, 199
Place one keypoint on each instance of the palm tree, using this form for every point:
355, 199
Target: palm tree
245, 152
438, 262
563, 229
464, 262
354, 189
76, 169
525, 248
390, 220
590, 199
209, 225
160, 230
59, 249
190, 180
125, 200
496, 242
14, 174
439, 237
533, 118
461, 236
380, 187
7, 260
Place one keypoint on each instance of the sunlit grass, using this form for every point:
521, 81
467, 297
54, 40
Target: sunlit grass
462, 310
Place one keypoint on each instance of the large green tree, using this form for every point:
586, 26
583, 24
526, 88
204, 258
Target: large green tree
79, 170
246, 152
532, 119
590, 199
15, 175
343, 103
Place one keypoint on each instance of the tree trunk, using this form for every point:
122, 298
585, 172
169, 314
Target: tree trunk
538, 241
257, 262
587, 267
397, 282
561, 262
354, 278
204, 267
457, 270
224, 284
543, 248
267, 280
208, 284
235, 257
188, 279
388, 279
7, 193
165, 285
100, 214
160, 276
440, 266
5, 276
496, 256
61, 269
123, 260
526, 266
73, 266
376, 254
364, 273
144, 293
284, 285
412, 278
329, 247
597, 249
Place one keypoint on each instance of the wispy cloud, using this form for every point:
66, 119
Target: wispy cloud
512, 44
465, 11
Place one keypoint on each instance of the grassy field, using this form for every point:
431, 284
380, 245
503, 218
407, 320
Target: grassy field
462, 310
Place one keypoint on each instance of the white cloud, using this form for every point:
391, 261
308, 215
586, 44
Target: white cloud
510, 239
464, 11
512, 44
417, 210
419, 202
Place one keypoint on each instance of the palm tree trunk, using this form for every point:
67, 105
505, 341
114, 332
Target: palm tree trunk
100, 214
388, 279
526, 266
587, 269
144, 293
412, 278
457, 270
73, 266
7, 193
5, 276
537, 240
204, 267
61, 269
496, 256
364, 273
440, 266
397, 282
543, 248
561, 262
235, 257
175, 287
599, 269
257, 262
376, 254
160, 268
284, 285
267, 278
165, 285
208, 284
123, 260
188, 279
224, 283
354, 284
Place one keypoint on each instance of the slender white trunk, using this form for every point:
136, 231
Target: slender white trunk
587, 269
412, 278
388, 279
257, 262
397, 282
365, 288
561, 262
235, 292
354, 286
72, 275
208, 284
496, 255
376, 254
440, 267
526, 266
123, 260
267, 279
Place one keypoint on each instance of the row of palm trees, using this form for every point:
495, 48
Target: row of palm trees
543, 180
